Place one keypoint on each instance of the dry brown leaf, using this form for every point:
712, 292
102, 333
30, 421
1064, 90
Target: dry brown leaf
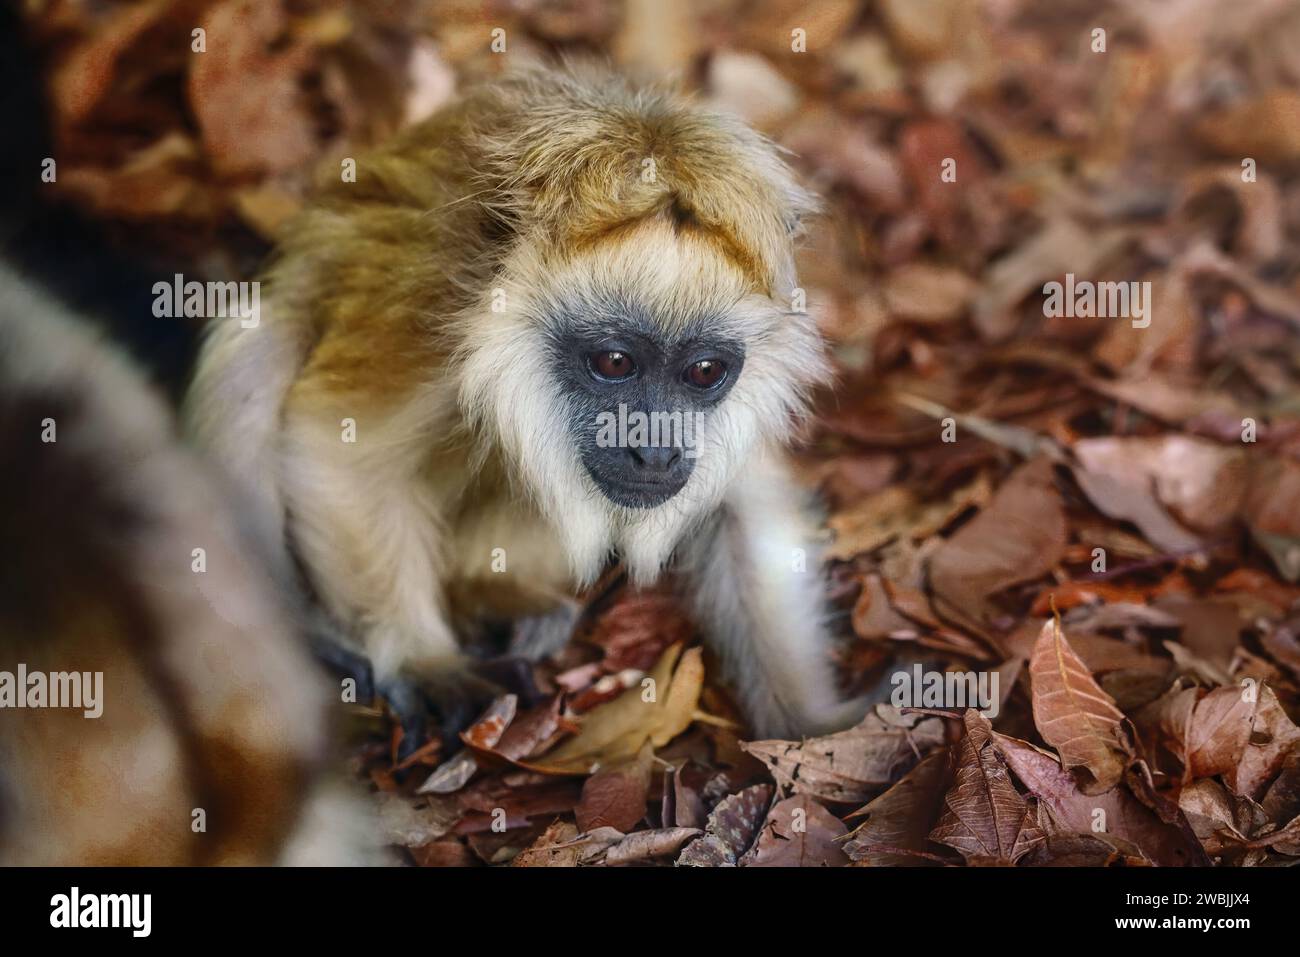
1129, 501
851, 766
616, 797
1116, 812
1222, 821
899, 820
1219, 731
1061, 246
607, 846
1017, 537
1273, 736
1281, 802
798, 832
927, 293
411, 822
638, 627
1082, 850
556, 847
1073, 714
1167, 721
984, 817
446, 853
1201, 482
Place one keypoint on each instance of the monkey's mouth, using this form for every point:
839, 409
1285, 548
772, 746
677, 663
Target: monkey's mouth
637, 491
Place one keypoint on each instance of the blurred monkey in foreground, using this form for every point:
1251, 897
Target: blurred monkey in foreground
123, 561
551, 324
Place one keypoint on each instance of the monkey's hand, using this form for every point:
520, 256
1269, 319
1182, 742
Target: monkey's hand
456, 690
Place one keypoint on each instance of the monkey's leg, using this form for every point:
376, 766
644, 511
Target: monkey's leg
754, 586
367, 530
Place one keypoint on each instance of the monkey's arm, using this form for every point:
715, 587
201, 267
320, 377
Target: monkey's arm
368, 528
754, 586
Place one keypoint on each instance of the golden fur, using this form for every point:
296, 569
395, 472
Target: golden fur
415, 302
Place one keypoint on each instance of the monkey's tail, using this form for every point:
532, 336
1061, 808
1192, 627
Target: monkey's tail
202, 698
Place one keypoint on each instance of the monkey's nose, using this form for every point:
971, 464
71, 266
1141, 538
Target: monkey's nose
655, 458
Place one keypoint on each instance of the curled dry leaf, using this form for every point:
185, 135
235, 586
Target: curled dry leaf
1061, 246
1073, 714
798, 832
606, 845
1080, 850
487, 730
1219, 818
1116, 812
533, 731
1243, 734
984, 817
1235, 828
1282, 799
517, 800
894, 513
452, 775
1166, 721
851, 766
899, 820
1219, 732
481, 737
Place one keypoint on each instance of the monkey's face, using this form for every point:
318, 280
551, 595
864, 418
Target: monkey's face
632, 382
640, 399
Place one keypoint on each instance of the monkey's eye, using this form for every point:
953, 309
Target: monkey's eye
612, 364
706, 373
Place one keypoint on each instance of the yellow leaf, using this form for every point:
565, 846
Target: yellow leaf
617, 730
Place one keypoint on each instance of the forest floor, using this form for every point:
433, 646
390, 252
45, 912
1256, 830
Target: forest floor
1086, 496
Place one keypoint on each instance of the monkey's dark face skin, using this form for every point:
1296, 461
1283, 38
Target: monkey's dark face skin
639, 402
